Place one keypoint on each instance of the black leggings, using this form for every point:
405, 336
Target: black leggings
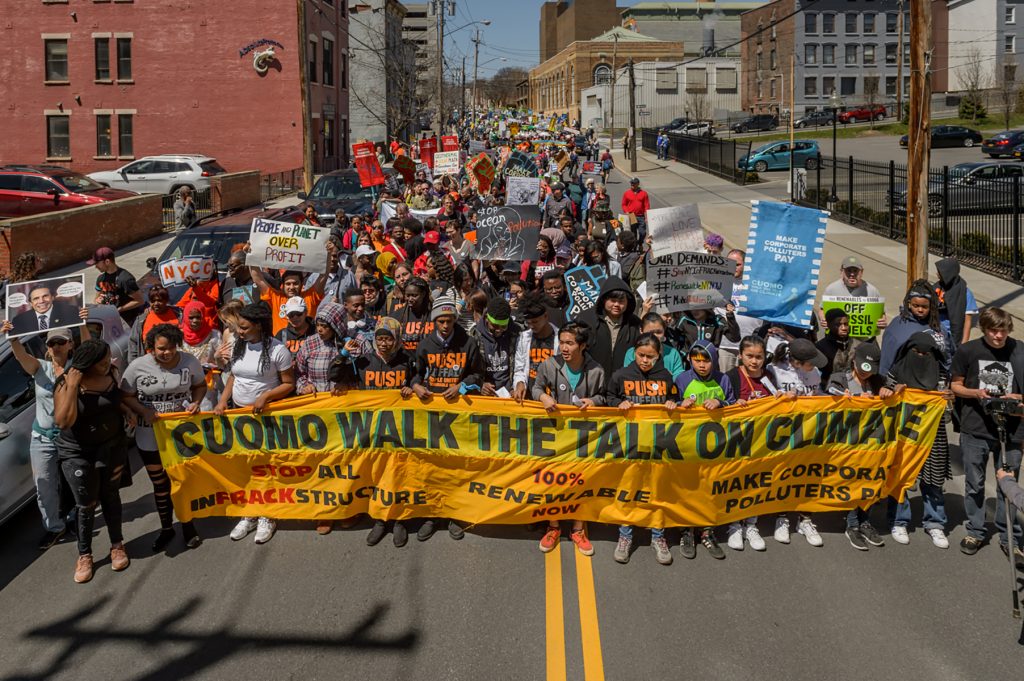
161, 487
93, 482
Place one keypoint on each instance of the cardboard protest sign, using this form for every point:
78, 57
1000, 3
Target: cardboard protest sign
446, 163
864, 313
477, 147
561, 160
584, 284
426, 170
783, 262
364, 156
428, 147
179, 270
675, 229
690, 281
406, 166
507, 233
520, 164
481, 172
449, 143
522, 191
40, 305
287, 245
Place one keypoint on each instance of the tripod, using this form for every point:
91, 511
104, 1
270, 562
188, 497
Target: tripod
1000, 420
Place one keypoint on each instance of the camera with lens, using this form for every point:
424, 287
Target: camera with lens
1003, 406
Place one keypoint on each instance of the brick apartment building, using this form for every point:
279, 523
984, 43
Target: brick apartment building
564, 22
850, 46
91, 84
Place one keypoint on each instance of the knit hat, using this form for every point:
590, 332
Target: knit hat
444, 305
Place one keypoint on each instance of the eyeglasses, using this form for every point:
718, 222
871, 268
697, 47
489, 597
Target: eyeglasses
55, 342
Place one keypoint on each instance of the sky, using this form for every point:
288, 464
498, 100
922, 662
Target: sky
514, 33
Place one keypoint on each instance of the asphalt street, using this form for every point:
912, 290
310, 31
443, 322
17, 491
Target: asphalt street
493, 607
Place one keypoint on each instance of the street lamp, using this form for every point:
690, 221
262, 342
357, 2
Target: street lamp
836, 102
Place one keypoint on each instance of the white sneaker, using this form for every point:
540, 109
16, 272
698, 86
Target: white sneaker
782, 530
735, 535
900, 534
809, 531
265, 530
753, 537
939, 538
244, 527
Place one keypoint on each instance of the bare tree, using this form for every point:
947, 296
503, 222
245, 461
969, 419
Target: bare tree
973, 81
699, 106
1005, 78
871, 92
501, 87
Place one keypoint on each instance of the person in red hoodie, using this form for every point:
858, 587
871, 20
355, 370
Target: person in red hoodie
636, 201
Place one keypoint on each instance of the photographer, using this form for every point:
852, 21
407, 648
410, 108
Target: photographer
986, 368
184, 210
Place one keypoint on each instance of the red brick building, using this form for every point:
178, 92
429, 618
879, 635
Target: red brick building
91, 84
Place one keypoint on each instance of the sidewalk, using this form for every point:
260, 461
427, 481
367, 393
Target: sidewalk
725, 209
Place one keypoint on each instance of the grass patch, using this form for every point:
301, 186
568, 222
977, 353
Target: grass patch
992, 124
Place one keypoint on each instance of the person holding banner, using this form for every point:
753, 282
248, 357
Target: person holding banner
537, 342
261, 373
920, 312
160, 311
570, 378
642, 382
414, 316
670, 358
202, 341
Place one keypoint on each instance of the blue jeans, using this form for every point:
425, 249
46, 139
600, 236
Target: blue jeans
627, 531
46, 475
975, 452
934, 516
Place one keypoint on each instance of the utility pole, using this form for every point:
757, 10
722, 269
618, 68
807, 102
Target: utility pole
438, 7
307, 133
899, 64
464, 116
476, 62
632, 118
792, 133
918, 141
615, 69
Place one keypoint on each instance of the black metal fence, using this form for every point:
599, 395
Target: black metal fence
712, 155
273, 185
200, 199
974, 218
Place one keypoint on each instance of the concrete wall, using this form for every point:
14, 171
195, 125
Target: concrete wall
65, 237
235, 190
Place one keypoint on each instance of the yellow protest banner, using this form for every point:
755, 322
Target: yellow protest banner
488, 460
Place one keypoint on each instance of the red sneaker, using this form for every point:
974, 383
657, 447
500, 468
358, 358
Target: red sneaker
583, 545
550, 539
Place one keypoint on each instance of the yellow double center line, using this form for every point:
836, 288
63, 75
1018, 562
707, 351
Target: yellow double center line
593, 662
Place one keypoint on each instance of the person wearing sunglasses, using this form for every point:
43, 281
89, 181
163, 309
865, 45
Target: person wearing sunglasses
42, 449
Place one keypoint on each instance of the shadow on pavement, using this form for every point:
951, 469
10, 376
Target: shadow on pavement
204, 650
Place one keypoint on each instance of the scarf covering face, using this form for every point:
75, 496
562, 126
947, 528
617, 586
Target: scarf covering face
192, 336
916, 370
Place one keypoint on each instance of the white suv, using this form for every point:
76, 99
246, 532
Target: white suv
163, 174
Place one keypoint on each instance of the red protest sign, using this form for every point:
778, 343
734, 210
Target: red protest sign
481, 170
365, 158
427, 149
406, 166
449, 143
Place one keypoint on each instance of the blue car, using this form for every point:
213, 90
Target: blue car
775, 156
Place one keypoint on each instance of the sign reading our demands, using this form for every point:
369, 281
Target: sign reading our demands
690, 281
286, 245
476, 461
863, 313
180, 270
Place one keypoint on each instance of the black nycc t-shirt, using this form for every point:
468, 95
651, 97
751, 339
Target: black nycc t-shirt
991, 369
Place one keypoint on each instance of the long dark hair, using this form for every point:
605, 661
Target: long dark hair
922, 289
259, 314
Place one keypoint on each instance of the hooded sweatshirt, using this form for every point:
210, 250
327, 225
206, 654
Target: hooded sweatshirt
498, 353
313, 361
441, 363
711, 328
639, 387
553, 379
714, 386
610, 342
953, 297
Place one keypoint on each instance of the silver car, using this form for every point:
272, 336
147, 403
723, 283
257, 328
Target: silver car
17, 409
163, 174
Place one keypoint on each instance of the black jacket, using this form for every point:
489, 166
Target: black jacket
498, 353
654, 387
601, 340
440, 364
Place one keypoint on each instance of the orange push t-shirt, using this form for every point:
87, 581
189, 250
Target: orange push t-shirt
276, 300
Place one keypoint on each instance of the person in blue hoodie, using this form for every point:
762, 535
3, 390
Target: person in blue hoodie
703, 384
920, 312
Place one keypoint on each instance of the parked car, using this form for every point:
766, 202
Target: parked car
164, 174
17, 409
775, 156
30, 190
982, 187
950, 136
213, 236
1003, 143
675, 124
758, 122
701, 129
340, 189
862, 114
814, 119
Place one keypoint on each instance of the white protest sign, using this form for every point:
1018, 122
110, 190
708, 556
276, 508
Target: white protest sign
424, 168
179, 270
446, 163
690, 281
675, 229
388, 210
522, 191
285, 245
